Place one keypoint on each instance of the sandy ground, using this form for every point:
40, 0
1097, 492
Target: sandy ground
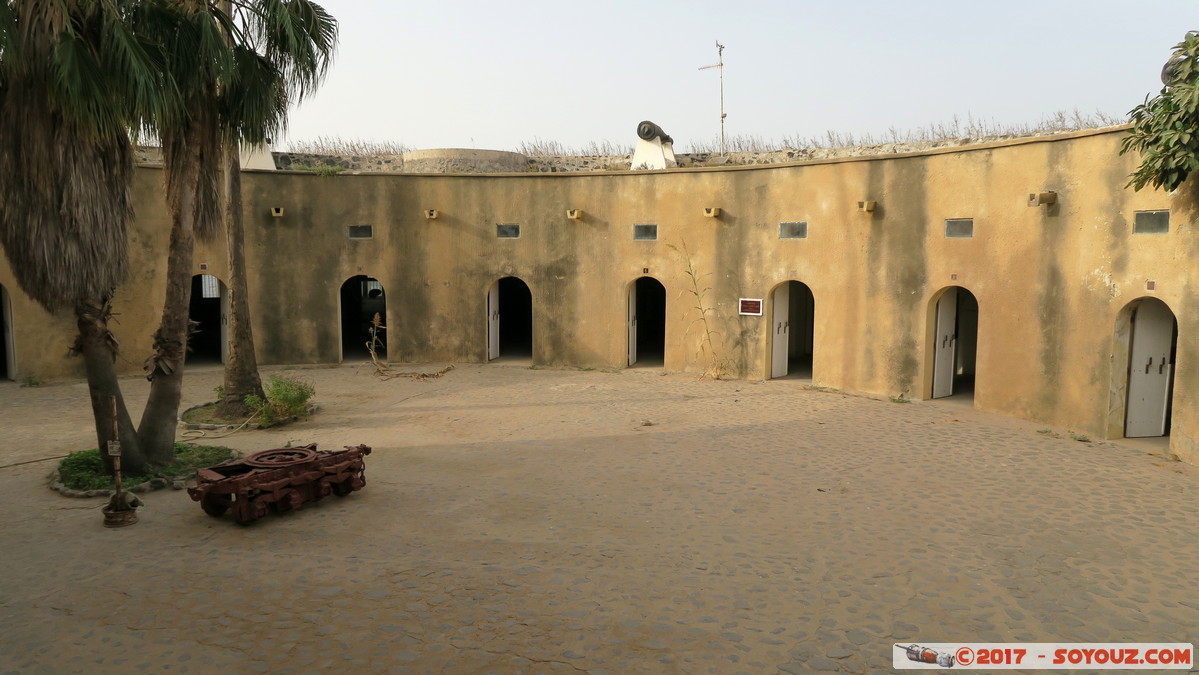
520, 520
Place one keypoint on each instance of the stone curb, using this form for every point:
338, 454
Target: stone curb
202, 426
158, 483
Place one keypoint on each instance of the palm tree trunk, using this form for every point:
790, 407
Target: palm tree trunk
164, 368
98, 347
241, 365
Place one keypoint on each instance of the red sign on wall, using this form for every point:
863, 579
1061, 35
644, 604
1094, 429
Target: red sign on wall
750, 307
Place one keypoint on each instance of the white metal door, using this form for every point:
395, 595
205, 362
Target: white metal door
493, 322
946, 336
632, 324
1149, 370
781, 335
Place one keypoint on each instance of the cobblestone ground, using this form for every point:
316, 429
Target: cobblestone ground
540, 521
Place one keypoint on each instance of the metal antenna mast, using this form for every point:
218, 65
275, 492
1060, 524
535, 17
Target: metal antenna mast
720, 64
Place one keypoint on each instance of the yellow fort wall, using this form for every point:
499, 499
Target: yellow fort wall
1053, 283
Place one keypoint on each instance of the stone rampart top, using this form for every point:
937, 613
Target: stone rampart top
461, 160
466, 160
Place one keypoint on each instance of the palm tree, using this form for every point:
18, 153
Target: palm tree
241, 364
254, 112
74, 79
236, 66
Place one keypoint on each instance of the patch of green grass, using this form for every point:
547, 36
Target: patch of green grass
899, 399
31, 381
323, 170
1081, 438
1045, 431
286, 400
84, 470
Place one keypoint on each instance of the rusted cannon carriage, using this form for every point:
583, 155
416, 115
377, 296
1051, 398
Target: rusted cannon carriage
278, 480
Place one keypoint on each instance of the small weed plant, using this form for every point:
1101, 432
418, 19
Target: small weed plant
718, 366
84, 470
286, 399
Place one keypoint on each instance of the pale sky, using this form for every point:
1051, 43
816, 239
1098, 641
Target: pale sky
491, 74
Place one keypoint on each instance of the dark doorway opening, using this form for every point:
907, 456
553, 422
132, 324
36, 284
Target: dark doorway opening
206, 343
650, 322
516, 318
361, 298
6, 367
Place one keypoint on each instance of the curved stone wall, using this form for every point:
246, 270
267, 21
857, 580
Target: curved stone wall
1053, 285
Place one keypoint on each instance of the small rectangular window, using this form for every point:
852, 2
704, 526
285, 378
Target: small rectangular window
645, 232
507, 231
793, 230
1151, 222
959, 228
361, 231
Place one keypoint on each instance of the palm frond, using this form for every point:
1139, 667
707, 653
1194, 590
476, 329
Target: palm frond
63, 217
255, 103
299, 36
64, 117
76, 76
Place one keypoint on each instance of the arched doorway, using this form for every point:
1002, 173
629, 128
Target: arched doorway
509, 320
362, 297
7, 369
647, 322
1151, 337
208, 311
955, 344
793, 311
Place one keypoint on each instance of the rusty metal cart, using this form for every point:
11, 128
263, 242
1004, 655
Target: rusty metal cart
278, 480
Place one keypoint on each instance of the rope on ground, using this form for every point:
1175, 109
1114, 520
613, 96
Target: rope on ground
194, 434
32, 461
383, 371
190, 434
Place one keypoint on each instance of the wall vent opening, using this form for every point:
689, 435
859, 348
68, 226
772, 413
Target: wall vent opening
645, 232
959, 228
1151, 222
793, 230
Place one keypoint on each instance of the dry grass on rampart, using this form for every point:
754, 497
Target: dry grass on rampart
971, 128
955, 129
347, 147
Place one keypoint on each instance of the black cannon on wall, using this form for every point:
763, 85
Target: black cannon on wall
648, 131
